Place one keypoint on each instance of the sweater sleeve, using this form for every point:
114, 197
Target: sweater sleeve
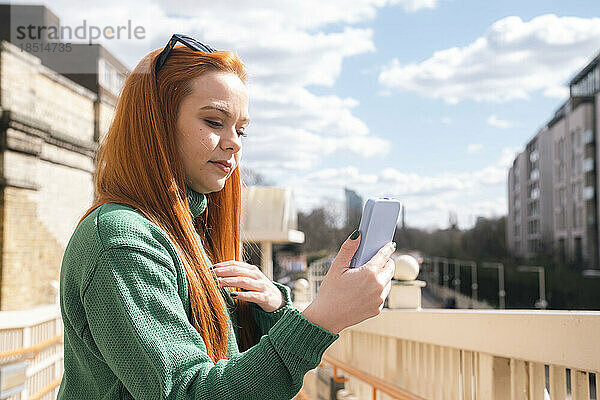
265, 320
139, 325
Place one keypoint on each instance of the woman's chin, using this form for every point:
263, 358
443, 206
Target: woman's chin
218, 185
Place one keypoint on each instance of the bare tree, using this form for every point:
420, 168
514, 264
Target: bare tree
253, 178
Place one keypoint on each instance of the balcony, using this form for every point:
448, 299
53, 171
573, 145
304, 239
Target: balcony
432, 353
474, 354
401, 353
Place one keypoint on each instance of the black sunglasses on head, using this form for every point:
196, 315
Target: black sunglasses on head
186, 40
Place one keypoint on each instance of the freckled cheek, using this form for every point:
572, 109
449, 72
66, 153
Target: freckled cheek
199, 146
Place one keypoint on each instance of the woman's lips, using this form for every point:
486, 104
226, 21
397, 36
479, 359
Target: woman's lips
221, 167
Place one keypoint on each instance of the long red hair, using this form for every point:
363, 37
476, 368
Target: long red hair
137, 164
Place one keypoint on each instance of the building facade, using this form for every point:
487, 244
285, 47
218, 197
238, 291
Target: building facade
553, 184
51, 121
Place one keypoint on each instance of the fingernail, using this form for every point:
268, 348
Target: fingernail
394, 244
233, 294
354, 235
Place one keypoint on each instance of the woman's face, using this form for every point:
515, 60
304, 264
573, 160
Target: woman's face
210, 124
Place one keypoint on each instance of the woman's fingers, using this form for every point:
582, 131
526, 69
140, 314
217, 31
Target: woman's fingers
237, 263
255, 297
242, 282
234, 270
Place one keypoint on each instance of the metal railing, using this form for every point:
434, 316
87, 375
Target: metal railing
376, 384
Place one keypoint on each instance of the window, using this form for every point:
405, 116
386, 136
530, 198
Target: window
534, 245
109, 77
533, 227
561, 149
588, 136
533, 209
561, 201
575, 197
535, 174
534, 156
533, 190
573, 156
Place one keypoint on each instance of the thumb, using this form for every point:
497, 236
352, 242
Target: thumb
347, 250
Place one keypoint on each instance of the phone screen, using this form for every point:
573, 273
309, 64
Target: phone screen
377, 227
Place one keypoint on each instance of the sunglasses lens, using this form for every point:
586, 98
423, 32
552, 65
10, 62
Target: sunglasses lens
188, 41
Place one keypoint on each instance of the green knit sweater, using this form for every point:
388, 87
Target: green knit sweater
127, 332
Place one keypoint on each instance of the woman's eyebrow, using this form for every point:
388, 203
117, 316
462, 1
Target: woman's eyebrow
223, 110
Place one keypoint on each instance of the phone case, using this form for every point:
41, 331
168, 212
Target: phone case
377, 227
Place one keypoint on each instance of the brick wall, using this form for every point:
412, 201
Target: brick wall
46, 166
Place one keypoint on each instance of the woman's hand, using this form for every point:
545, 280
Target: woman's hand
260, 289
348, 296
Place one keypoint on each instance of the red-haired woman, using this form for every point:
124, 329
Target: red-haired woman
145, 278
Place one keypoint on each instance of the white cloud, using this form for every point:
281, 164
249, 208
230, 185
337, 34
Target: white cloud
284, 49
498, 123
510, 61
428, 198
446, 121
474, 148
293, 130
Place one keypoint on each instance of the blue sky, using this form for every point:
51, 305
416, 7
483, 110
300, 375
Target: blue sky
424, 100
428, 135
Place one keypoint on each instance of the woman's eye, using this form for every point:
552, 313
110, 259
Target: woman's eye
213, 123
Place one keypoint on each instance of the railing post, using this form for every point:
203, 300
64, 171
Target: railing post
537, 381
26, 343
558, 382
518, 379
580, 385
494, 377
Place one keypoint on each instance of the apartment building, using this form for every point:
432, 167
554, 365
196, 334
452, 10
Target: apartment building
553, 184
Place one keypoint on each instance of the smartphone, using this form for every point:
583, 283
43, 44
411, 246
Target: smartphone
377, 227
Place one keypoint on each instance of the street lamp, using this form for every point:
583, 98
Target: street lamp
541, 302
474, 285
501, 292
456, 280
446, 276
436, 269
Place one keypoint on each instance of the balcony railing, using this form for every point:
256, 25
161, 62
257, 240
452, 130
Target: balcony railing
473, 354
467, 354
31, 353
424, 353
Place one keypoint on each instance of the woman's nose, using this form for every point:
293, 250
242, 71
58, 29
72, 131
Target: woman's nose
231, 141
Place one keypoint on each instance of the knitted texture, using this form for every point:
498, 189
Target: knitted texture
127, 334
